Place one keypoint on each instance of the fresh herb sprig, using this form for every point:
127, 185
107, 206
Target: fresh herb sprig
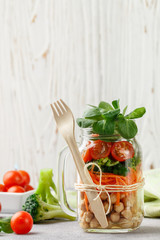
107, 119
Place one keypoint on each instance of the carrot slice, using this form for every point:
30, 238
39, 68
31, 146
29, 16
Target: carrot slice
111, 179
86, 201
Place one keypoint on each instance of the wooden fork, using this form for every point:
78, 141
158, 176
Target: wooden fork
66, 124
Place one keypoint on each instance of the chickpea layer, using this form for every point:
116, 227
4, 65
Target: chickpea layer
122, 215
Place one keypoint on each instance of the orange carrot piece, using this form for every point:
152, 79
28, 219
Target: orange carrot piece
86, 201
92, 168
118, 194
122, 181
111, 179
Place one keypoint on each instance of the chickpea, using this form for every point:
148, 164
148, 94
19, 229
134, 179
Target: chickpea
129, 201
94, 223
122, 196
119, 208
106, 206
103, 196
83, 206
134, 211
125, 223
84, 225
113, 197
126, 213
137, 222
88, 216
115, 217
110, 224
82, 195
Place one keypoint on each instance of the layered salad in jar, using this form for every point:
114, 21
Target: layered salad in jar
113, 159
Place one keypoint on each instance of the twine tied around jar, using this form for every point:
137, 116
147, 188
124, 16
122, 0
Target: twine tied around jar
107, 188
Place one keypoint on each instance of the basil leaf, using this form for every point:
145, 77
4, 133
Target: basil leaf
107, 120
109, 126
84, 123
99, 127
124, 110
93, 113
115, 104
104, 127
105, 105
137, 113
91, 106
111, 114
127, 128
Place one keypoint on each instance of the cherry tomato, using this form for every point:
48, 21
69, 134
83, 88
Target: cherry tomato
28, 188
16, 189
122, 151
100, 149
2, 188
12, 178
86, 155
21, 222
25, 176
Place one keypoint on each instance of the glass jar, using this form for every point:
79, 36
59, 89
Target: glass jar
115, 166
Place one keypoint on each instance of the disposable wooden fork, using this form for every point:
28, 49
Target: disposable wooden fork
66, 124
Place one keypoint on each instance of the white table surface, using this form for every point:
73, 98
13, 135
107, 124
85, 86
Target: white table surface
150, 229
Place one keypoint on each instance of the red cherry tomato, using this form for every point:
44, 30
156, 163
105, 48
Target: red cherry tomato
122, 151
16, 189
100, 149
25, 176
21, 222
28, 188
86, 155
12, 178
2, 188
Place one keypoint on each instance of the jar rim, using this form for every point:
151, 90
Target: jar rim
88, 133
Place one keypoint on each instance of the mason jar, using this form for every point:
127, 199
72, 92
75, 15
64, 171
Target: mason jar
115, 166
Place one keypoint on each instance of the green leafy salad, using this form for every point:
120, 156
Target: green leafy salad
111, 145
107, 119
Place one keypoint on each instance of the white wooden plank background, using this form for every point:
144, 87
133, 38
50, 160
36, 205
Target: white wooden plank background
82, 51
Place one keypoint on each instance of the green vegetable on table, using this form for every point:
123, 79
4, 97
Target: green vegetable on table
42, 205
152, 193
5, 225
107, 119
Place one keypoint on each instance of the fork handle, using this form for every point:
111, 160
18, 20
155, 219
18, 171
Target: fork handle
78, 160
86, 178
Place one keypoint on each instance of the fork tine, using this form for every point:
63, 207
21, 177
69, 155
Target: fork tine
57, 108
54, 111
66, 107
61, 107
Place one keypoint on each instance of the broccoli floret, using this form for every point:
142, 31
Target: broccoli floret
42, 205
41, 210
